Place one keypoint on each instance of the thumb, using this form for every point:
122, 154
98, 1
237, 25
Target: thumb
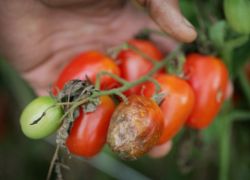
167, 15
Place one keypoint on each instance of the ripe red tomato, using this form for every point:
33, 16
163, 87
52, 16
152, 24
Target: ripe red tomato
89, 64
177, 104
133, 65
88, 133
135, 127
208, 77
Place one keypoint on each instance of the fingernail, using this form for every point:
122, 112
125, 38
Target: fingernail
188, 23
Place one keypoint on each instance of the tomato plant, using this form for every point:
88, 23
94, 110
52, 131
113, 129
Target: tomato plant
135, 127
133, 65
41, 118
177, 104
88, 133
237, 13
208, 77
89, 64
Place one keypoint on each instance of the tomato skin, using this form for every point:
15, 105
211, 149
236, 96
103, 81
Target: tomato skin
133, 65
89, 64
177, 104
147, 47
135, 127
208, 77
48, 123
88, 133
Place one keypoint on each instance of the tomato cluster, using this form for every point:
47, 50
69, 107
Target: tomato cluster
138, 123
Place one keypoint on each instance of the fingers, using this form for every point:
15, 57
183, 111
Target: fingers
160, 150
167, 15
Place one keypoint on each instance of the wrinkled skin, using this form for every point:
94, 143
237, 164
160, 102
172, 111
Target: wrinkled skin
38, 37
135, 127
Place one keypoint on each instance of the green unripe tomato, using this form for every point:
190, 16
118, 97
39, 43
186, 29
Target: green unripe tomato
48, 124
237, 13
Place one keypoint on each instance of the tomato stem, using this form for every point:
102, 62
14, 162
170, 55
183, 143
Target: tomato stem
225, 148
52, 163
245, 85
175, 66
157, 85
124, 98
72, 106
128, 85
144, 55
239, 115
102, 73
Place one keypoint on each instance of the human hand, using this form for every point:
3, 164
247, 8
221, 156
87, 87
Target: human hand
39, 37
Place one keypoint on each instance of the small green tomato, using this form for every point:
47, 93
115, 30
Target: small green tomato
49, 122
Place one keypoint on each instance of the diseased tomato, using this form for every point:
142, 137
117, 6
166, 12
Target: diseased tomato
48, 123
208, 77
89, 64
133, 65
135, 127
88, 133
177, 104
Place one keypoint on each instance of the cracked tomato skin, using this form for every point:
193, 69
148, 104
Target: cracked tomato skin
48, 123
133, 65
89, 64
176, 106
135, 127
208, 77
88, 133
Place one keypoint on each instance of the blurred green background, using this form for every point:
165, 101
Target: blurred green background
220, 152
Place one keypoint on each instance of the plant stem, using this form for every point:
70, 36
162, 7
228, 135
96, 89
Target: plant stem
157, 66
124, 98
239, 115
144, 55
52, 163
245, 85
102, 73
225, 147
157, 85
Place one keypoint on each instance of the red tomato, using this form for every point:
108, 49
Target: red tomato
88, 133
208, 77
133, 65
176, 106
89, 64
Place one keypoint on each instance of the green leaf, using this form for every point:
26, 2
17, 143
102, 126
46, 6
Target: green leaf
217, 33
